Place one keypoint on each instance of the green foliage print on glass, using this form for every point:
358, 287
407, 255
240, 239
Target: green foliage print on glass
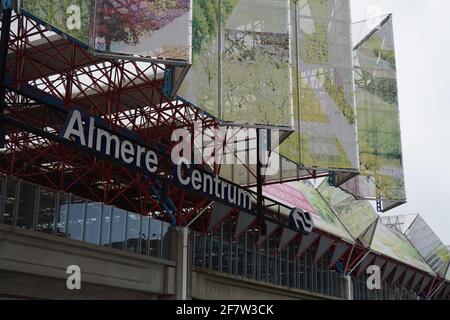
69, 16
338, 95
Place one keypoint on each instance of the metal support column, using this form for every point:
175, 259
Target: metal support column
4, 42
259, 185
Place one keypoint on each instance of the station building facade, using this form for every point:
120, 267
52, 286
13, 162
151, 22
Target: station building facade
125, 229
125, 255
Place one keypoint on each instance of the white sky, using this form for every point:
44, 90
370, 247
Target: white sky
422, 38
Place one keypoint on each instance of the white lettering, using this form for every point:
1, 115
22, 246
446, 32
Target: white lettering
127, 152
74, 280
74, 20
71, 131
182, 151
374, 279
196, 180
151, 161
184, 181
91, 132
139, 152
108, 141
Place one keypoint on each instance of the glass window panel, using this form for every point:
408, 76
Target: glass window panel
57, 13
10, 197
46, 211
200, 86
145, 226
106, 226
156, 29
291, 274
259, 265
208, 244
26, 206
92, 222
2, 181
308, 273
241, 254
284, 266
251, 262
198, 250
119, 217
133, 230
215, 253
76, 219
256, 43
155, 238
377, 106
226, 248
63, 209
325, 112
233, 255
272, 261
165, 237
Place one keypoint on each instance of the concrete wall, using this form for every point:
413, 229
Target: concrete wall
219, 286
34, 265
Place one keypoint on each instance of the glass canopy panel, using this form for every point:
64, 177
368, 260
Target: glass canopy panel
395, 245
324, 105
430, 247
157, 29
236, 45
356, 215
380, 150
256, 71
72, 17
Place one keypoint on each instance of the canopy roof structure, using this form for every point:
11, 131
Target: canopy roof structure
429, 245
357, 216
377, 114
447, 276
360, 217
395, 245
300, 195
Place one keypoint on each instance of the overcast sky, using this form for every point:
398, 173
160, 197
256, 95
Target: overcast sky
422, 38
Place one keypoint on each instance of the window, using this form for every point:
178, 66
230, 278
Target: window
251, 261
92, 223
292, 267
119, 220
76, 219
155, 238
2, 182
198, 250
145, 226
241, 254
106, 226
61, 218
208, 252
262, 262
215, 250
233, 253
227, 260
46, 211
133, 230
272, 270
284, 267
10, 197
165, 236
26, 206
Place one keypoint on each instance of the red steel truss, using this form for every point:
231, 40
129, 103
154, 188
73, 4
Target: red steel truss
46, 77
